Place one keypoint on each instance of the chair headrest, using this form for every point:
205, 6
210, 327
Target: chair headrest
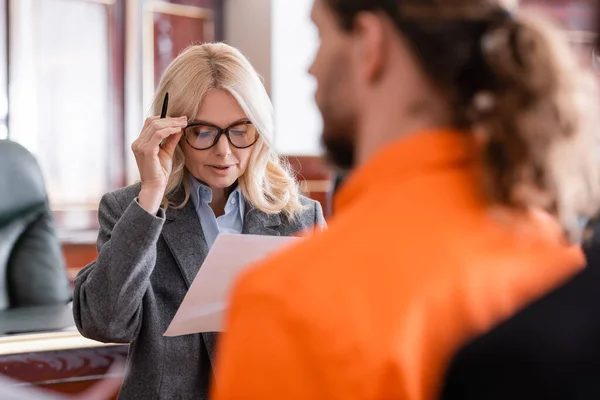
21, 180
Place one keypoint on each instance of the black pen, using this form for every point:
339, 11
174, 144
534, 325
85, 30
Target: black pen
163, 113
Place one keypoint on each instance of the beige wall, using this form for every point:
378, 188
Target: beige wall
248, 27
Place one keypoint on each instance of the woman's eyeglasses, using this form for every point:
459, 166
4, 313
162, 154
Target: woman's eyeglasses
203, 136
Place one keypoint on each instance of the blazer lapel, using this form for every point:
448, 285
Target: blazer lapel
210, 342
257, 222
183, 234
184, 237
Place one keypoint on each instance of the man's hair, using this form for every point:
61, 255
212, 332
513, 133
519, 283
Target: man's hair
515, 78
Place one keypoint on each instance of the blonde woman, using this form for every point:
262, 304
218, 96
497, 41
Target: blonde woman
207, 168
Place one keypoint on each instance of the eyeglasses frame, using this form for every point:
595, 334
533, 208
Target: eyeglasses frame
221, 131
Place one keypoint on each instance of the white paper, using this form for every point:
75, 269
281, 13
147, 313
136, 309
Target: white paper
203, 307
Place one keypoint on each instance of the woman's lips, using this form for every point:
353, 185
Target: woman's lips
221, 169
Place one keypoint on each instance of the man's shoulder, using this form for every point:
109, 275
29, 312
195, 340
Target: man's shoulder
296, 271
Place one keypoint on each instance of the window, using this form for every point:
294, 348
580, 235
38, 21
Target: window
67, 100
294, 43
64, 100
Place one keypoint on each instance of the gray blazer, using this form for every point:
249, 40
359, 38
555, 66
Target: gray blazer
145, 265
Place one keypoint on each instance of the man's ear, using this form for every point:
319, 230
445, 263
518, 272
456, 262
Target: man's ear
369, 32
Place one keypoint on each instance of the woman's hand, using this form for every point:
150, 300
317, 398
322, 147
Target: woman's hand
155, 161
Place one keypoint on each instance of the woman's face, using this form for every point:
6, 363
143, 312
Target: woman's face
221, 165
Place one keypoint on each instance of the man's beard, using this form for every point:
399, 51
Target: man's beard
335, 99
339, 132
340, 151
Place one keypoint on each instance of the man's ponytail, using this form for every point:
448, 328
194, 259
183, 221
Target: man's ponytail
513, 80
540, 140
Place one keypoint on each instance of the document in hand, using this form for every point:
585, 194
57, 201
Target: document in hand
205, 303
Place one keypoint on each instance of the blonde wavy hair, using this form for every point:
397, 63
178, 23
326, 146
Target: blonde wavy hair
267, 183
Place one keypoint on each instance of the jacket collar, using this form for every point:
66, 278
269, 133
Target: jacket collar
201, 193
184, 236
405, 158
257, 222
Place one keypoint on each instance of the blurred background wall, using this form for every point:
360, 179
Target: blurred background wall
77, 79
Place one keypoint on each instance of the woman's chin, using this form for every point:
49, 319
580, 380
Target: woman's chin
220, 182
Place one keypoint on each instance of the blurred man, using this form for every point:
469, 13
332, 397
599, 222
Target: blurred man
549, 350
452, 219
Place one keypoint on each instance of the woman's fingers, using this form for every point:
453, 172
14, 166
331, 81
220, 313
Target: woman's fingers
162, 134
170, 143
154, 124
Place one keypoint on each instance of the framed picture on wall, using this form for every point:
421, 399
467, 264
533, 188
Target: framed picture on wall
168, 28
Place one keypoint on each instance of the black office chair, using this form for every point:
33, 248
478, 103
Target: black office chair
32, 270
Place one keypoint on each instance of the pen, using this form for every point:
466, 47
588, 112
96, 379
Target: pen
163, 113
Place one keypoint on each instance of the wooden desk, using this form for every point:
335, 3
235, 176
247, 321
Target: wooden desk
63, 362
77, 256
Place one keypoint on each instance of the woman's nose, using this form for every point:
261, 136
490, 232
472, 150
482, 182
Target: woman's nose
222, 148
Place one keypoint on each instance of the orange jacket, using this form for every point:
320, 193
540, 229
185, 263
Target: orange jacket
413, 265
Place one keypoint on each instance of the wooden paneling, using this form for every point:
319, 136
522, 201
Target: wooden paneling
64, 371
309, 167
315, 178
77, 256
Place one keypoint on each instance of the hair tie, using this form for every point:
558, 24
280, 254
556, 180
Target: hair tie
484, 102
502, 15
